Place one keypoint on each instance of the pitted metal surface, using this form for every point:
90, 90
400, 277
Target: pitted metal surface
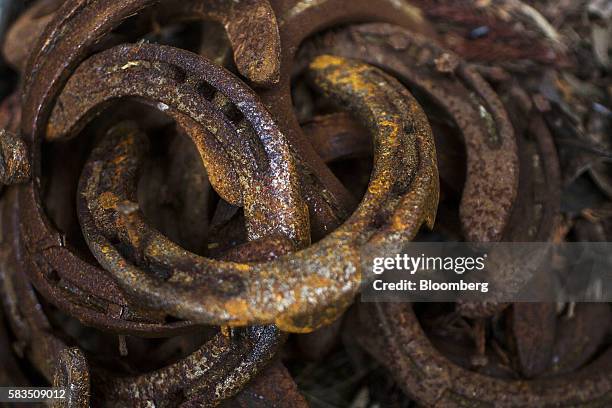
191, 189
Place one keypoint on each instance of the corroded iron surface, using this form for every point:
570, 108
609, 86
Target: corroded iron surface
492, 163
434, 380
190, 189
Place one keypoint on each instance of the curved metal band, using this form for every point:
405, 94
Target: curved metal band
492, 159
329, 201
433, 380
172, 80
251, 28
74, 29
216, 371
300, 291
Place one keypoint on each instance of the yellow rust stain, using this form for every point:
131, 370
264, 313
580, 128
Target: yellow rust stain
289, 320
108, 200
117, 160
399, 224
318, 281
285, 323
124, 145
326, 61
242, 267
53, 132
377, 186
393, 126
340, 71
239, 308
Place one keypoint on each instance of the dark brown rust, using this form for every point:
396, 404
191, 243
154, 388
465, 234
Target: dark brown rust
55, 260
216, 371
433, 380
260, 267
10, 113
23, 311
10, 372
77, 286
84, 290
76, 27
172, 80
14, 160
492, 162
492, 174
273, 388
579, 336
533, 335
329, 201
72, 375
504, 44
74, 30
26, 30
338, 136
191, 291
535, 214
251, 123
251, 29
250, 25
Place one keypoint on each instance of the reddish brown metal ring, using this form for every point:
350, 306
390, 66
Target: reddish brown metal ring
259, 166
251, 29
75, 285
216, 371
433, 380
318, 281
492, 159
329, 201
72, 284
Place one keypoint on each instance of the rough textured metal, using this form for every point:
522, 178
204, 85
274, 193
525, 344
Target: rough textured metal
72, 375
338, 136
266, 187
535, 214
197, 297
251, 29
14, 160
64, 278
533, 333
492, 162
273, 388
433, 380
492, 165
216, 371
171, 80
329, 201
23, 33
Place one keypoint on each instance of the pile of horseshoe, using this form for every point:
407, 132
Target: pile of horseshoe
189, 187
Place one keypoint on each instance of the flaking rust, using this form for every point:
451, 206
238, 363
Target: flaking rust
492, 162
168, 217
216, 371
433, 380
14, 160
325, 275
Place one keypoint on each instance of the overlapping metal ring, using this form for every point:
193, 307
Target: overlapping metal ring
301, 266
